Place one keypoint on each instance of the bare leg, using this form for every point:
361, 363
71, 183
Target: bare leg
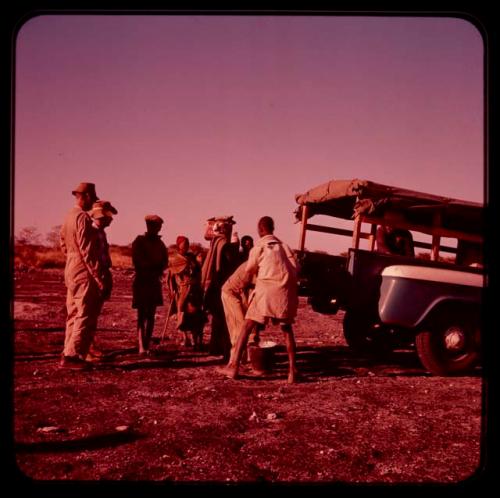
187, 340
231, 369
150, 325
290, 348
197, 338
141, 329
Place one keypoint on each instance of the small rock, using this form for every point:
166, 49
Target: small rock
122, 428
371, 374
253, 416
271, 416
50, 428
35, 372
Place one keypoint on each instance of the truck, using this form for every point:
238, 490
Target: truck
427, 302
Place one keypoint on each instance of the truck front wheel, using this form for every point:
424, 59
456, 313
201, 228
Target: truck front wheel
448, 347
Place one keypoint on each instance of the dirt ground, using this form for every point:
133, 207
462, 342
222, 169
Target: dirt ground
172, 417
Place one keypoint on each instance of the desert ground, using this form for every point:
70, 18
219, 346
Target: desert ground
173, 418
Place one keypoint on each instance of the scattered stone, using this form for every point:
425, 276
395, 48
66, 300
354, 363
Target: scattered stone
50, 429
253, 417
271, 416
121, 428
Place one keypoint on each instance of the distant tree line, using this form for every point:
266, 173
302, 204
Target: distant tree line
31, 236
33, 250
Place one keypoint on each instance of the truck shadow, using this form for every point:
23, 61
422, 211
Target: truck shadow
341, 361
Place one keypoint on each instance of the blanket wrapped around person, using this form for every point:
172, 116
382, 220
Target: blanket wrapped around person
184, 278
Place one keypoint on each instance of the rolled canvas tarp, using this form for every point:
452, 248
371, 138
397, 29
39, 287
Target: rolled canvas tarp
348, 198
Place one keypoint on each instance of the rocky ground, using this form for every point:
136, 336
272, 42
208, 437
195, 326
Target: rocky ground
172, 417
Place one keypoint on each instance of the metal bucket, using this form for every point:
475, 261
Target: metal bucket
262, 356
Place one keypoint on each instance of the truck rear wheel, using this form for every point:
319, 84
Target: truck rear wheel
365, 335
448, 347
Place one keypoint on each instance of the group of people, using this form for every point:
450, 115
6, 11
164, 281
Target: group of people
240, 288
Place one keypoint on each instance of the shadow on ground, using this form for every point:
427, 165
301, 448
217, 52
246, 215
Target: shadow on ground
92, 442
314, 363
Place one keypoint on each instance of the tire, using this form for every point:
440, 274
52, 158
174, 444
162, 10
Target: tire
449, 346
364, 335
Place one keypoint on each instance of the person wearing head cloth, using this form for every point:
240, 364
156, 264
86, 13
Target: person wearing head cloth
102, 215
246, 245
83, 276
150, 260
185, 285
220, 261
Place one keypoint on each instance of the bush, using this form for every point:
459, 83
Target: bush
121, 256
35, 256
50, 258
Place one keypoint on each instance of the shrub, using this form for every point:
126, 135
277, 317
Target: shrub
34, 256
121, 256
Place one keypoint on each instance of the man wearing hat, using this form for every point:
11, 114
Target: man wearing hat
150, 259
83, 278
102, 215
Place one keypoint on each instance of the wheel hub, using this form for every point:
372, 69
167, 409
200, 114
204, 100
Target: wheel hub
454, 339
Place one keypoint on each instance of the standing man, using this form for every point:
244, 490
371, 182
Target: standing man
102, 215
83, 278
150, 259
220, 262
275, 295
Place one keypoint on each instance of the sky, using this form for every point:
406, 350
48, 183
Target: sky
190, 117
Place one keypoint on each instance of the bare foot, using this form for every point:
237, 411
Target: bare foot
228, 371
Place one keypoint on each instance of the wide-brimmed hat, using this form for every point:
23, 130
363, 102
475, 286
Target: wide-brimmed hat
105, 205
153, 218
85, 187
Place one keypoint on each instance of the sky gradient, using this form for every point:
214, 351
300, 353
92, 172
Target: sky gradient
193, 116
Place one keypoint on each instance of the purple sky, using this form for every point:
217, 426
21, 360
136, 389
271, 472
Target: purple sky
194, 116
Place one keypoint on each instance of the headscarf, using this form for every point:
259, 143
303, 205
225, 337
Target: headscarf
180, 239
